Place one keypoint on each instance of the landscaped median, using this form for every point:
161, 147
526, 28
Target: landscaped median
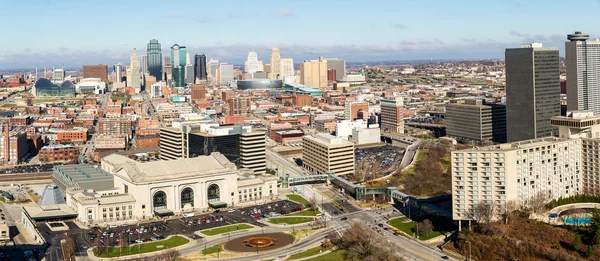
225, 229
290, 220
299, 199
171, 242
410, 228
305, 213
309, 252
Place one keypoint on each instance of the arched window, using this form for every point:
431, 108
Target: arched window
214, 193
187, 197
159, 200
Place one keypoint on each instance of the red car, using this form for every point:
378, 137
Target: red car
257, 217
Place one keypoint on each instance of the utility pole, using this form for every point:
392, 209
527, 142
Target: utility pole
470, 259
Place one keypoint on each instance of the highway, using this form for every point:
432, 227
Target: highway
409, 248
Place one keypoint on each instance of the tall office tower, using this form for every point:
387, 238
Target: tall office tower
240, 106
200, 67
339, 66
118, 72
251, 65
168, 71
95, 71
189, 70
532, 91
314, 73
252, 151
323, 153
392, 118
213, 68
178, 54
275, 64
178, 76
583, 73
286, 68
144, 64
133, 72
476, 122
154, 52
226, 73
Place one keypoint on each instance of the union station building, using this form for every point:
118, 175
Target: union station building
123, 189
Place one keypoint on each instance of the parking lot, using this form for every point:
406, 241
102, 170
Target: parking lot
388, 157
126, 235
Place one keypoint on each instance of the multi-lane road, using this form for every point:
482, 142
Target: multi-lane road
333, 202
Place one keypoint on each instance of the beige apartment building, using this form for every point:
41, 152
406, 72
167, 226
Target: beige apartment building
586, 127
314, 73
516, 172
323, 153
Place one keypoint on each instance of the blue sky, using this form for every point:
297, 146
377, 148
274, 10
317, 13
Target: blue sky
89, 32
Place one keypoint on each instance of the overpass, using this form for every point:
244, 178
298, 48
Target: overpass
438, 130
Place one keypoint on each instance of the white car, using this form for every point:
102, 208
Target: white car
231, 211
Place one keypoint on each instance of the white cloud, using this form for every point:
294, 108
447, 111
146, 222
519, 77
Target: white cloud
398, 26
284, 12
173, 15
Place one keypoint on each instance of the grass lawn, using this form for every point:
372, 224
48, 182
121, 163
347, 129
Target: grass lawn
172, 242
212, 250
307, 212
410, 228
299, 199
420, 156
309, 252
225, 229
337, 255
290, 220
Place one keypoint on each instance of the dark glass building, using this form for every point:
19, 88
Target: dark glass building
45, 88
200, 67
178, 77
154, 53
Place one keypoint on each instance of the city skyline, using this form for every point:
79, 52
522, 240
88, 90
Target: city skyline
379, 31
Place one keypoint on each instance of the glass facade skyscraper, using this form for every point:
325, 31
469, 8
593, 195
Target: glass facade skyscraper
178, 76
200, 67
154, 53
178, 54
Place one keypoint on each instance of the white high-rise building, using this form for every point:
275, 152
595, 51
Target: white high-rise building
144, 64
252, 65
189, 70
226, 73
275, 72
213, 67
583, 73
133, 72
518, 172
118, 72
286, 68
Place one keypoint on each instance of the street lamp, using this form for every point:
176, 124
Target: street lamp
469, 250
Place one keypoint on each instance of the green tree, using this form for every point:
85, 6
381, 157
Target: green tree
576, 242
595, 225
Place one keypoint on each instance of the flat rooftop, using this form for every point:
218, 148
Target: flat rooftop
84, 176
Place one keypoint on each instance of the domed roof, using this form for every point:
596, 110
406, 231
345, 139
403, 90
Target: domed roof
43, 82
67, 84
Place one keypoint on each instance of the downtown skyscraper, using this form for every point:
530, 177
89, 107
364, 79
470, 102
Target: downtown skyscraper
583, 73
252, 64
133, 72
275, 62
178, 55
532, 91
154, 53
189, 70
200, 67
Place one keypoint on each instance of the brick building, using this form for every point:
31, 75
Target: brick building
147, 141
96, 71
75, 136
115, 126
59, 153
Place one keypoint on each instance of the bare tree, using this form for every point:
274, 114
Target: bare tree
537, 204
312, 202
425, 227
484, 212
171, 254
509, 210
373, 173
360, 170
68, 249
